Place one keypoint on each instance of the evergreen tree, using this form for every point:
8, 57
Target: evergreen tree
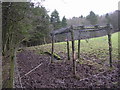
22, 21
15, 26
81, 16
107, 18
92, 18
40, 26
55, 20
64, 22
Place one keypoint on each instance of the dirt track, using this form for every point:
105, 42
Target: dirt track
59, 74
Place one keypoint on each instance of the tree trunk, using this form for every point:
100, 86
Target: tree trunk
45, 41
8, 60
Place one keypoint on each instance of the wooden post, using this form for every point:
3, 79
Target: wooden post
52, 56
110, 49
110, 44
73, 52
68, 50
81, 27
79, 46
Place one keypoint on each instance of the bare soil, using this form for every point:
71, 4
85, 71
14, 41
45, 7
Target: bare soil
59, 74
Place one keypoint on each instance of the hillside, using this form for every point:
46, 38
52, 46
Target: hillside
35, 70
94, 46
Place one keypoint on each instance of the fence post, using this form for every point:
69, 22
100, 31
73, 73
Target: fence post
79, 45
68, 49
52, 56
110, 49
110, 44
81, 28
73, 52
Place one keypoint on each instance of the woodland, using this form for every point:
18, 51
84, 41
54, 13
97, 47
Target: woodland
27, 46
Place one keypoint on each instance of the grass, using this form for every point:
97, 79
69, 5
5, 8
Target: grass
95, 47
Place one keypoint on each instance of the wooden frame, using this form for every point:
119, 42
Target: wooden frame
81, 29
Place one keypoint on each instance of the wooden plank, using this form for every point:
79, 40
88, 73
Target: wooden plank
60, 31
86, 29
73, 52
92, 27
91, 30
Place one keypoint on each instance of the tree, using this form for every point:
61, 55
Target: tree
81, 16
92, 17
40, 24
77, 21
0, 44
64, 22
15, 27
55, 20
113, 18
21, 22
107, 18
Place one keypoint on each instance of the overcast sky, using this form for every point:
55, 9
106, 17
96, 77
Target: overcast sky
70, 8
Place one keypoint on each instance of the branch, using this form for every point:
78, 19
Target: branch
32, 70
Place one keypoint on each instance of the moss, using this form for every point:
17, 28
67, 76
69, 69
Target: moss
111, 68
9, 82
20, 50
55, 55
115, 83
76, 77
40, 52
80, 62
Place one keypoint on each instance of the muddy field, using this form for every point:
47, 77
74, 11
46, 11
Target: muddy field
59, 73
